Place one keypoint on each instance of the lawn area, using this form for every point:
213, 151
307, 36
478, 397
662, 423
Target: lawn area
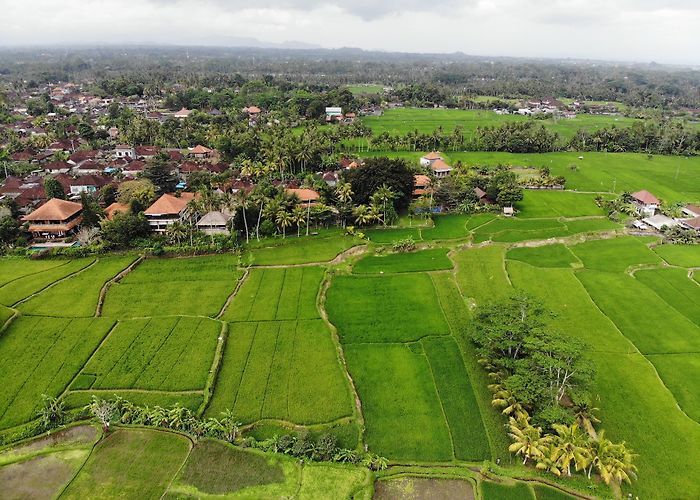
277, 294
389, 308
287, 370
22, 287
304, 250
481, 274
446, 227
157, 354
194, 286
614, 255
41, 356
403, 416
544, 256
433, 259
62, 299
679, 255
130, 464
544, 203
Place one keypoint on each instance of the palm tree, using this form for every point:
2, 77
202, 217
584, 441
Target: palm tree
284, 220
549, 461
612, 461
243, 201
176, 232
573, 447
382, 196
4, 158
344, 193
299, 216
528, 440
363, 215
502, 398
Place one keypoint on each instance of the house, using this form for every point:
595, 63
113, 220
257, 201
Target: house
80, 156
113, 132
421, 185
645, 202
200, 152
330, 178
660, 221
124, 151
482, 197
306, 196
427, 160
183, 113
55, 219
508, 211
134, 168
252, 111
88, 167
693, 223
214, 223
87, 184
334, 113
691, 211
440, 168
146, 152
115, 208
57, 167
167, 210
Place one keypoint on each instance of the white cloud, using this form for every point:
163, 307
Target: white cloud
642, 30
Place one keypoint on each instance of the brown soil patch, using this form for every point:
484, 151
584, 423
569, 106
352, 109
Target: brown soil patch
73, 436
39, 478
413, 488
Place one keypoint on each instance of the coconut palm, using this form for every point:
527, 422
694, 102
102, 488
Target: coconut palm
573, 447
383, 196
284, 220
243, 202
527, 440
612, 461
510, 406
299, 217
549, 461
363, 215
176, 232
344, 192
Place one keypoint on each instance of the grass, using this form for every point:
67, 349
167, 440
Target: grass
544, 203
547, 493
385, 236
679, 255
544, 256
12, 268
390, 308
302, 250
161, 354
281, 370
61, 299
681, 374
614, 255
522, 229
217, 468
21, 288
446, 227
674, 286
41, 356
505, 491
403, 415
195, 286
132, 464
277, 294
423, 260
457, 398
481, 274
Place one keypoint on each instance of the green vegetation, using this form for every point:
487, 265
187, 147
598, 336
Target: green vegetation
130, 463
300, 251
505, 491
423, 260
276, 294
391, 308
614, 255
515, 229
12, 268
544, 256
41, 356
481, 274
60, 299
676, 288
446, 227
158, 354
285, 370
22, 287
390, 235
543, 203
679, 255
196, 286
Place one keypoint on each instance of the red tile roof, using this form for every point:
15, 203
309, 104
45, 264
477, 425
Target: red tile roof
55, 210
170, 204
645, 197
304, 195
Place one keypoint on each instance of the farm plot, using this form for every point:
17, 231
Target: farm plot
514, 230
481, 274
403, 415
130, 464
446, 227
22, 287
679, 255
277, 294
674, 286
614, 255
285, 370
681, 374
302, 250
158, 354
544, 256
543, 203
434, 259
12, 268
41, 356
391, 235
195, 286
390, 308
78, 295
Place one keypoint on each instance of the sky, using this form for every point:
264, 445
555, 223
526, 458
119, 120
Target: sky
664, 31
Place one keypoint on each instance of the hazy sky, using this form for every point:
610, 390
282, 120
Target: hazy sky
635, 30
